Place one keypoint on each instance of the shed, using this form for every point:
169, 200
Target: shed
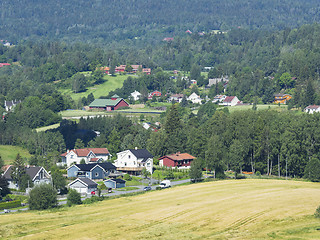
115, 183
83, 185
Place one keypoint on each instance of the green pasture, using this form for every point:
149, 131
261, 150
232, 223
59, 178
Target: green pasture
9, 153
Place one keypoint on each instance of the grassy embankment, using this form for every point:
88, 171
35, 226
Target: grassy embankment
233, 209
9, 153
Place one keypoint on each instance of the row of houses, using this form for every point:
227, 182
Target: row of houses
122, 69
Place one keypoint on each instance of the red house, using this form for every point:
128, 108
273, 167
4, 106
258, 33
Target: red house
179, 160
156, 93
109, 104
147, 71
121, 68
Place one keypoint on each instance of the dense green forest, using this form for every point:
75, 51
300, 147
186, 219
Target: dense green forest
125, 21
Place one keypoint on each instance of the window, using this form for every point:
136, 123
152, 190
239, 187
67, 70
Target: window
71, 156
125, 164
97, 174
129, 156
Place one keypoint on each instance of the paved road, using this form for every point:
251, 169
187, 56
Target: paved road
114, 193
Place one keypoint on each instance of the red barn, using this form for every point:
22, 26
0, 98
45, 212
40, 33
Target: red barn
109, 104
179, 160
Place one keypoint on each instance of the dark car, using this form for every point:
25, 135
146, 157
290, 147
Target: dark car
147, 188
109, 190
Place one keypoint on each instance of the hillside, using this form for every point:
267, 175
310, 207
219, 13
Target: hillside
243, 209
113, 21
9, 153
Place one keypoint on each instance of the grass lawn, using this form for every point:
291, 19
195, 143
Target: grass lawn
127, 188
9, 153
80, 113
103, 89
230, 209
43, 129
259, 107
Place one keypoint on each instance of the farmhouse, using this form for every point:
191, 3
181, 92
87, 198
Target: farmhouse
179, 160
83, 185
88, 154
281, 98
312, 109
37, 175
91, 170
109, 104
115, 183
230, 101
134, 160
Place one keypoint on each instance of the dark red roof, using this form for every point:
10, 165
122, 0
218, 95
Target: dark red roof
179, 156
85, 151
229, 99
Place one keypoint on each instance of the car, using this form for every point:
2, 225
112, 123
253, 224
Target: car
109, 190
6, 210
93, 193
147, 188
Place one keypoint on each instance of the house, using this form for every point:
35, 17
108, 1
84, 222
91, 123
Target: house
154, 93
83, 185
193, 82
88, 154
179, 160
37, 175
194, 98
188, 31
135, 68
312, 109
9, 105
4, 64
168, 39
281, 98
214, 81
134, 160
146, 71
135, 95
105, 70
230, 101
219, 98
91, 170
115, 183
109, 104
176, 97
120, 69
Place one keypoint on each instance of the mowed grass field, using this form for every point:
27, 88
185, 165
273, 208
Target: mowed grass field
112, 83
231, 209
9, 153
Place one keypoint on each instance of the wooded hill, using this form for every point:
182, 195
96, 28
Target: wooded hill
105, 21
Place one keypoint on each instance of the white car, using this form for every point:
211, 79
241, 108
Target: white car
6, 210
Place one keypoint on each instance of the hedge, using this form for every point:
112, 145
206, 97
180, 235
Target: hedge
11, 204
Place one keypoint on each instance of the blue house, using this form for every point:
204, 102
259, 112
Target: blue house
115, 183
92, 170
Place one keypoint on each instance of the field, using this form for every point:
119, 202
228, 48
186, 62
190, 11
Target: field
103, 89
259, 107
230, 209
9, 153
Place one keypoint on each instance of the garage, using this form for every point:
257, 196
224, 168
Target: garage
83, 185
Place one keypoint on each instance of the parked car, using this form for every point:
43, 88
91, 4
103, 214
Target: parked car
147, 188
6, 210
93, 193
109, 190
165, 184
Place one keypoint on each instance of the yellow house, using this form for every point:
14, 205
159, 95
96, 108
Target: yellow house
281, 98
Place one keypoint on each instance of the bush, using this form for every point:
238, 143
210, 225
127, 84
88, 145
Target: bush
127, 177
42, 196
73, 197
317, 213
158, 188
11, 204
258, 173
92, 199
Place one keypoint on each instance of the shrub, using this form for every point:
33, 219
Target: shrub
42, 196
158, 188
127, 177
258, 173
11, 204
73, 197
317, 213
92, 199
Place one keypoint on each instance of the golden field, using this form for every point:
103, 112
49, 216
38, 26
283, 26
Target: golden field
230, 209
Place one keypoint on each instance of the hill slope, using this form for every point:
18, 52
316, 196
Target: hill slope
246, 209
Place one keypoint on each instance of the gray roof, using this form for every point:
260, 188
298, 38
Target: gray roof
141, 153
88, 167
31, 171
88, 182
117, 180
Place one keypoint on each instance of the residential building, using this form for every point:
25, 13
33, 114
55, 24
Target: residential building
194, 98
312, 109
214, 81
109, 104
135, 95
120, 69
219, 98
176, 97
154, 93
281, 98
91, 170
9, 105
178, 160
230, 101
83, 185
146, 71
90, 155
134, 160
37, 175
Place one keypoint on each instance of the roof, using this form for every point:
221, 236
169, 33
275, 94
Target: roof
106, 102
88, 167
88, 182
313, 107
229, 99
32, 171
179, 156
141, 153
117, 180
83, 152
177, 95
281, 95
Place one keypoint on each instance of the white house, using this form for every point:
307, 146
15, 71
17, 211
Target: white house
90, 155
230, 101
135, 95
176, 97
134, 160
83, 185
312, 109
37, 175
194, 98
219, 98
